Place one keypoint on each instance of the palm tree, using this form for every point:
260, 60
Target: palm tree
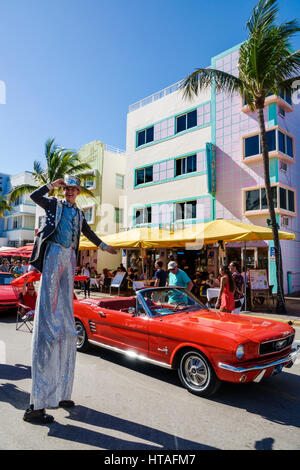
59, 162
267, 65
4, 206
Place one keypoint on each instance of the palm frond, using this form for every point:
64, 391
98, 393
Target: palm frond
87, 192
202, 79
39, 173
20, 190
4, 206
263, 17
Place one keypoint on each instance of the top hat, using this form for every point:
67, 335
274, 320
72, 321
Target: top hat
72, 181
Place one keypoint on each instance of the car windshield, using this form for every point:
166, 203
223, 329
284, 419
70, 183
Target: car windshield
5, 279
170, 300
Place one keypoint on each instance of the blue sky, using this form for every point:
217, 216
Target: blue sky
72, 67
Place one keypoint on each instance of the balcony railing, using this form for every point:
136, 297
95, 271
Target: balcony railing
156, 96
111, 148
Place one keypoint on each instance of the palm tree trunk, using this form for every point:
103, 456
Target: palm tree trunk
280, 305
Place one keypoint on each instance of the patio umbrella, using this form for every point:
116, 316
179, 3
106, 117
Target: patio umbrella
230, 230
140, 237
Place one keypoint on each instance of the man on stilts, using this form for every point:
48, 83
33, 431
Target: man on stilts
54, 337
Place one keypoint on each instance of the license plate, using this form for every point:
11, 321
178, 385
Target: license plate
277, 369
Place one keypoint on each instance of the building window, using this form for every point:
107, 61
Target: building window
143, 215
90, 182
119, 181
283, 198
144, 175
287, 199
16, 222
186, 165
119, 215
286, 95
252, 146
186, 121
276, 140
285, 144
185, 210
145, 136
256, 199
18, 200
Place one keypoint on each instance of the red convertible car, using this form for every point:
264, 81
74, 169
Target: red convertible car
8, 297
170, 327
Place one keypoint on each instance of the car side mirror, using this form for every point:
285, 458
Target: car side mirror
132, 311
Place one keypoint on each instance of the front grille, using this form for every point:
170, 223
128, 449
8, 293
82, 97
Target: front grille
275, 346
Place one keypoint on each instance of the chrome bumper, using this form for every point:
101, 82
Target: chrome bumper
290, 358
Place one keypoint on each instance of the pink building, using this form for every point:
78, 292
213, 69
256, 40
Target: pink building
239, 171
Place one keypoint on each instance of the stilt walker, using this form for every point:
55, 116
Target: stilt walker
54, 337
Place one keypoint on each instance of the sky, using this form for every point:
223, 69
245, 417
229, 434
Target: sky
71, 68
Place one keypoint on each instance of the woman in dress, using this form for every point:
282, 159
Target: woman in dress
227, 287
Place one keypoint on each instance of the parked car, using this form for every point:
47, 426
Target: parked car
171, 328
8, 296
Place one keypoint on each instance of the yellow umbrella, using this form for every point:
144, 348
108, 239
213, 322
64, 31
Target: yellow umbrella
144, 237
230, 230
140, 237
209, 232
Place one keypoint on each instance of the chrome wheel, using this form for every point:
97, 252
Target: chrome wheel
82, 341
197, 374
195, 371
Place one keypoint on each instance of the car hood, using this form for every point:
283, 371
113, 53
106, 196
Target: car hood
249, 327
7, 293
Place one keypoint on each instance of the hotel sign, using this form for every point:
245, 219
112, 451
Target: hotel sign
211, 168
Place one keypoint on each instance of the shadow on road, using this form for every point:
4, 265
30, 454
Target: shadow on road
275, 398
141, 437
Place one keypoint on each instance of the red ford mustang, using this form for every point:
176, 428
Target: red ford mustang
171, 328
8, 297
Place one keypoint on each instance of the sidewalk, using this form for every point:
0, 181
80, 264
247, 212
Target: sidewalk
292, 305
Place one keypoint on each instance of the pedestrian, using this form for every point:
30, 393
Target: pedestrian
18, 270
87, 272
24, 266
239, 283
225, 300
178, 277
54, 336
4, 267
29, 296
160, 275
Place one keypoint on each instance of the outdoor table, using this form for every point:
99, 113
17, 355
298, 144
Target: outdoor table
212, 293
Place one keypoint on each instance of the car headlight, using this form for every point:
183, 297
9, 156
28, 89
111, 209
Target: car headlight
240, 352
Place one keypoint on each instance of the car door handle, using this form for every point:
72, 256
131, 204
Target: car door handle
102, 314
